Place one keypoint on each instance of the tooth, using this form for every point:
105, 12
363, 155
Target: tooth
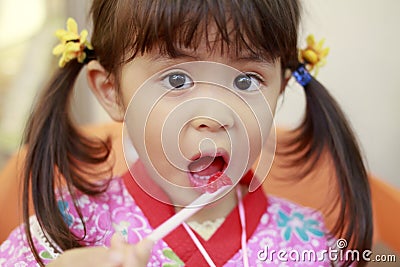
206, 177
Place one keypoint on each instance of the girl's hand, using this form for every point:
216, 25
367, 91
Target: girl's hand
120, 254
130, 255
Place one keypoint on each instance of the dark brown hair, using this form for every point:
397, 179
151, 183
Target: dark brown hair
58, 155
326, 130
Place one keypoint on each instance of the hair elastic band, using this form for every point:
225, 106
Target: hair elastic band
302, 75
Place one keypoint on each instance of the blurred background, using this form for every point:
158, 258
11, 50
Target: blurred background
27, 38
361, 73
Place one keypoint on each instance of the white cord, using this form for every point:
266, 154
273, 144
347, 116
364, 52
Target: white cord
199, 245
242, 216
243, 223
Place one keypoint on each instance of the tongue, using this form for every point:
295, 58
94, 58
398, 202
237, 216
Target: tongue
206, 166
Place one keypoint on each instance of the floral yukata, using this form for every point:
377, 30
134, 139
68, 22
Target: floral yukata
272, 224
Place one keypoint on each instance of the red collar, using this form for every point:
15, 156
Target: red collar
223, 244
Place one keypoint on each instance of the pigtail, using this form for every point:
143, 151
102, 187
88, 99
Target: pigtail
58, 155
326, 128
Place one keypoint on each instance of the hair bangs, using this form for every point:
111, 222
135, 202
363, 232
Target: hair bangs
237, 28
264, 29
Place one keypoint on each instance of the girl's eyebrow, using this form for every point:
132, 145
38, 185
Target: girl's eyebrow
255, 58
178, 55
181, 55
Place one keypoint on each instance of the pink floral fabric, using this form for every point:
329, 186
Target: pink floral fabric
284, 226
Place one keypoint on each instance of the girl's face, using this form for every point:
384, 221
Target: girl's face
199, 113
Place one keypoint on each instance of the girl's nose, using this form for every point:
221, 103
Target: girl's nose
210, 124
212, 109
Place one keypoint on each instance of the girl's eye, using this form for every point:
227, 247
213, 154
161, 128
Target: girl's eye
247, 82
177, 81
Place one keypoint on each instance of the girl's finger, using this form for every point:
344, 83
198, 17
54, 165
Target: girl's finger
116, 251
139, 254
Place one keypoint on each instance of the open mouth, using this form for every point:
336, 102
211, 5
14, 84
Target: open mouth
206, 173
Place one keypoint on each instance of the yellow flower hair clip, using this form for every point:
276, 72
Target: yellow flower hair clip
73, 45
314, 55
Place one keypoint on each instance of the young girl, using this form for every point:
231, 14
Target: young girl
196, 84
